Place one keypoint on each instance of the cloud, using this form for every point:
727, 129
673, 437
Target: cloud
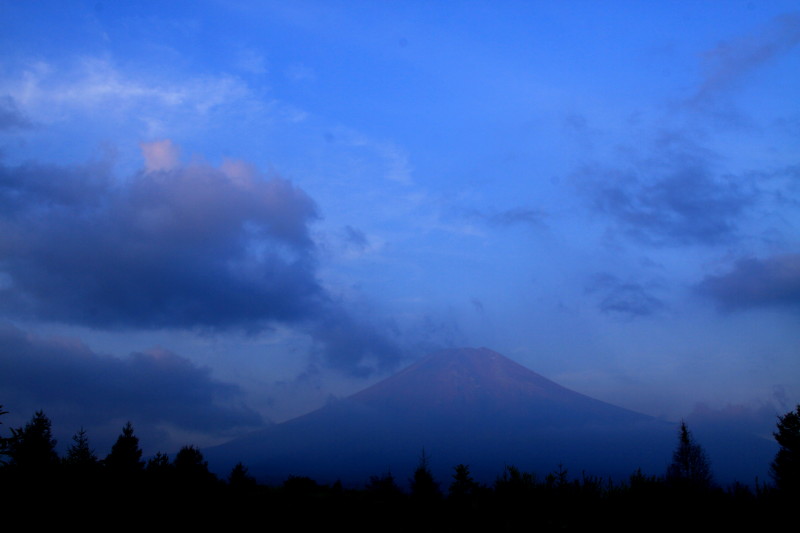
10, 116
774, 281
670, 197
160, 155
510, 217
65, 377
757, 419
356, 238
95, 83
355, 346
174, 246
730, 61
628, 299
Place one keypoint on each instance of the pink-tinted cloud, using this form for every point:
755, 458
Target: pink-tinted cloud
174, 246
160, 155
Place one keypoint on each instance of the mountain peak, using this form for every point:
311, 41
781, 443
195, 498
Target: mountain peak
470, 380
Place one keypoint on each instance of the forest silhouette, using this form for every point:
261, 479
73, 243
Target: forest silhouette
183, 490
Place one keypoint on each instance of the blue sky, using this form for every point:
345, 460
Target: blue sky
215, 214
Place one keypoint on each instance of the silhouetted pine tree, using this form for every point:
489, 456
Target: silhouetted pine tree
3, 442
423, 486
514, 484
240, 480
158, 462
160, 472
79, 454
785, 468
125, 458
191, 469
33, 448
383, 487
463, 486
690, 467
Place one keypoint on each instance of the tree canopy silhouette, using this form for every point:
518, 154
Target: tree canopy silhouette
239, 479
785, 468
191, 468
3, 441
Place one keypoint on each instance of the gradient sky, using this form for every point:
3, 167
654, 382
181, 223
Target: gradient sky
218, 214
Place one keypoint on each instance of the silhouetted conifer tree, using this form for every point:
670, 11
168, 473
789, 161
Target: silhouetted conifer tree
463, 486
239, 479
300, 486
785, 468
33, 447
514, 483
191, 468
82, 468
383, 486
126, 456
159, 462
3, 442
423, 486
159, 470
79, 454
689, 468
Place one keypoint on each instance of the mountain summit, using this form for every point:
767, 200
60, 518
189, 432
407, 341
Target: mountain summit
471, 382
471, 406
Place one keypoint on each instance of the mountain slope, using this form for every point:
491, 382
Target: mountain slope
482, 383
471, 406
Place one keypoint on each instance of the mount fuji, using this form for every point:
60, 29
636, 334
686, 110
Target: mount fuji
470, 406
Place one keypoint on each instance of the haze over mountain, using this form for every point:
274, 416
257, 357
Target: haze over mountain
471, 406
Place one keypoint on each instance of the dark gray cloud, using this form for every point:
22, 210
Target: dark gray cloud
190, 246
80, 387
752, 282
624, 298
670, 197
732, 60
10, 116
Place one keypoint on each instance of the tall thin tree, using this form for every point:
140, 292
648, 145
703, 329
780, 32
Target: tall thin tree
690, 468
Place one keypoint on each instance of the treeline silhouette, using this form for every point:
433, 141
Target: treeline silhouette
125, 489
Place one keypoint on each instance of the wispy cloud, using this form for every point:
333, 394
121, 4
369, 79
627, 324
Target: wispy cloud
11, 117
732, 60
671, 196
520, 215
629, 299
356, 238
